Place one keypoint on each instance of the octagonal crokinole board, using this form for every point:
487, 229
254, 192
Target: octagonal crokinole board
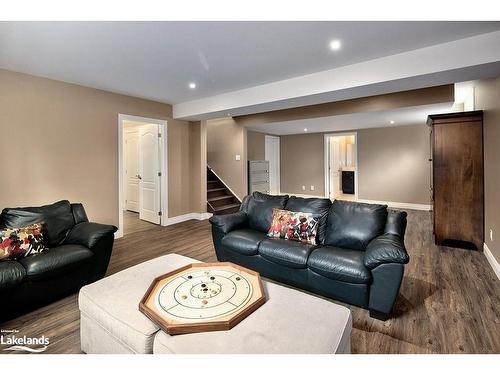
203, 297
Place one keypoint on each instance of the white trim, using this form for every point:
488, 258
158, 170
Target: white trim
190, 216
326, 157
163, 167
226, 185
408, 206
266, 146
302, 195
491, 260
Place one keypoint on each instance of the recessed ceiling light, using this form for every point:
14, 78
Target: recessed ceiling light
192, 85
335, 45
392, 122
305, 129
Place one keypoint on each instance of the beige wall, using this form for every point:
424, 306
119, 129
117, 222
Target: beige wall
198, 161
302, 163
63, 144
392, 164
487, 98
225, 140
256, 149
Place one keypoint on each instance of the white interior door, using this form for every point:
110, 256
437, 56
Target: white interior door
132, 171
149, 168
334, 167
272, 154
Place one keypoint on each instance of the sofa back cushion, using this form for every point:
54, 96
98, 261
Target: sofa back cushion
396, 223
57, 218
353, 225
317, 206
259, 208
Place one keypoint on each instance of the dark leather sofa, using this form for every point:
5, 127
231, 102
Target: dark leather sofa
78, 254
358, 259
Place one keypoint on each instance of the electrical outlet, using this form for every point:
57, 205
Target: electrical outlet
312, 187
303, 187
491, 235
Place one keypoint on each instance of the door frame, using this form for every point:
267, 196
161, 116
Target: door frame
326, 157
163, 130
266, 137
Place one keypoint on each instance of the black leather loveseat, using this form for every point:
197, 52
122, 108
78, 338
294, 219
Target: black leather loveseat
78, 254
359, 256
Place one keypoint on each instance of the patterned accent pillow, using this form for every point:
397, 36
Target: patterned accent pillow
18, 243
280, 223
303, 228
295, 226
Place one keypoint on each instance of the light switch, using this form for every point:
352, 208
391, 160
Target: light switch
238, 157
304, 187
312, 187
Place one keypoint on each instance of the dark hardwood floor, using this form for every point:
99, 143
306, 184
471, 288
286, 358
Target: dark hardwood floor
449, 301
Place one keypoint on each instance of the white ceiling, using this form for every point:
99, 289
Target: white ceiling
401, 117
157, 60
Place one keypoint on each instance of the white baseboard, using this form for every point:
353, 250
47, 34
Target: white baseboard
491, 260
302, 195
408, 206
178, 219
189, 216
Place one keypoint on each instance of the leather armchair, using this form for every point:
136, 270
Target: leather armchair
79, 253
359, 257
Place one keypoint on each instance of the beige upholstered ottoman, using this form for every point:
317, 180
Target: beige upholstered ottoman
110, 320
289, 322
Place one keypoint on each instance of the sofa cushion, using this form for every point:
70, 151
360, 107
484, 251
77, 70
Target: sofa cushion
55, 261
243, 241
353, 225
340, 264
260, 209
11, 274
291, 254
317, 206
57, 218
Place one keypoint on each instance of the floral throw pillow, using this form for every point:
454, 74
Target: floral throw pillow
295, 226
280, 223
19, 243
302, 227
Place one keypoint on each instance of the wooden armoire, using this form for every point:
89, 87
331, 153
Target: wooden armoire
457, 179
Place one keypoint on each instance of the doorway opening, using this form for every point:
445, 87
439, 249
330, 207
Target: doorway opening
142, 174
341, 166
272, 155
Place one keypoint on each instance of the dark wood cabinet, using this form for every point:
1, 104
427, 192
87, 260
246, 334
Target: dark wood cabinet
457, 175
348, 182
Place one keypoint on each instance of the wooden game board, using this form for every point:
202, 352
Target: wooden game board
203, 297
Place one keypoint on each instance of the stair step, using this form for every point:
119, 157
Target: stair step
227, 206
215, 189
222, 197
211, 181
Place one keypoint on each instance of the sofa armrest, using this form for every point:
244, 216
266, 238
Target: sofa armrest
230, 222
388, 248
88, 234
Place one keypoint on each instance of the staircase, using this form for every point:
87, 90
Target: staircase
220, 200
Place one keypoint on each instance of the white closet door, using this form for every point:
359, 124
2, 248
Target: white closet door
149, 168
